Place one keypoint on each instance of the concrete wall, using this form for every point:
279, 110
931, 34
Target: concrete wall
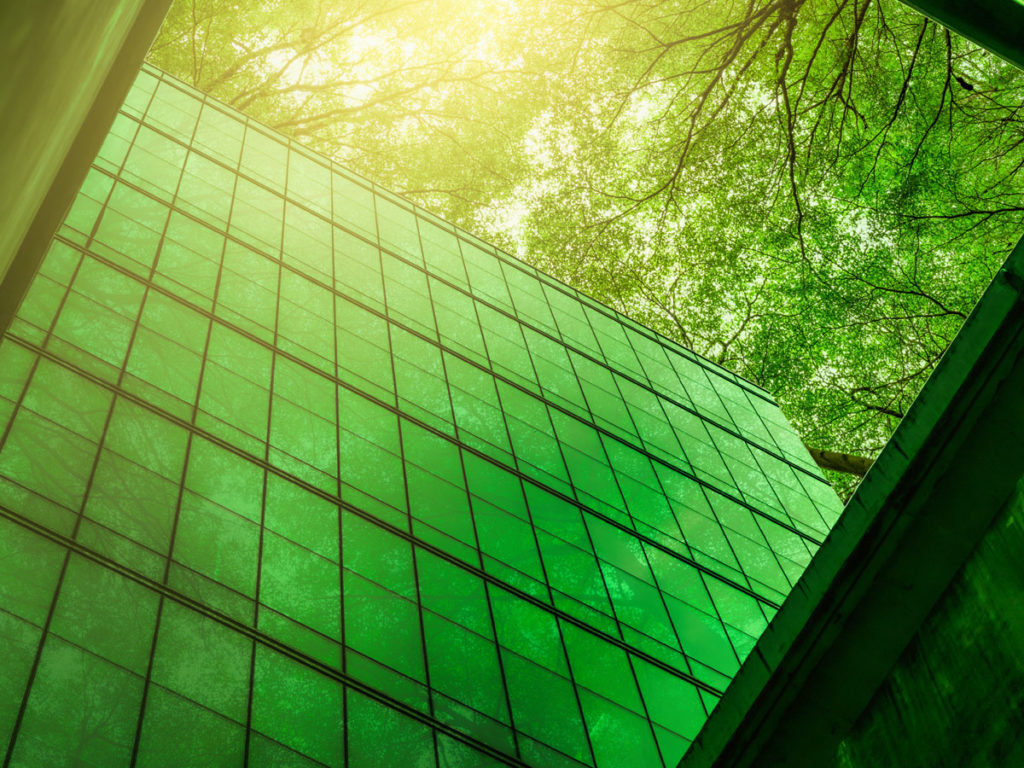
66, 66
956, 696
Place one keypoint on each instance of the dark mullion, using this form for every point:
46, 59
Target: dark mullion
647, 714
399, 415
413, 541
337, 452
654, 578
664, 604
472, 518
194, 420
611, 605
767, 429
184, 467
272, 384
488, 587
30, 681
159, 614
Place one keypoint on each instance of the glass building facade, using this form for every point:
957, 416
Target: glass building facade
293, 473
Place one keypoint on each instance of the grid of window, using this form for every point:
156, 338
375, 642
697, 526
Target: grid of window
301, 471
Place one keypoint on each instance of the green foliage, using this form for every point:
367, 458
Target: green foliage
813, 193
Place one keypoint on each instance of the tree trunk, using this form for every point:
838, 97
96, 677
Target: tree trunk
840, 462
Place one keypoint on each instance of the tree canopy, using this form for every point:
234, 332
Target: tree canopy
813, 193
